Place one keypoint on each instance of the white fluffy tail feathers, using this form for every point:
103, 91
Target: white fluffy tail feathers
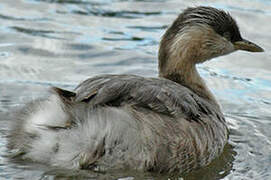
35, 129
60, 132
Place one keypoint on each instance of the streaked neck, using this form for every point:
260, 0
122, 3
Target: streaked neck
189, 77
181, 69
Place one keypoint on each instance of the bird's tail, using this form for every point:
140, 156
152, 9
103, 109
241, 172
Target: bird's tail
61, 132
38, 129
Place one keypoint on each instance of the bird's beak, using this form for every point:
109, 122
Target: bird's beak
246, 45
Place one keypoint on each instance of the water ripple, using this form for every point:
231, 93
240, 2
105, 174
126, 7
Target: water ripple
83, 2
41, 33
6, 17
148, 28
40, 83
117, 14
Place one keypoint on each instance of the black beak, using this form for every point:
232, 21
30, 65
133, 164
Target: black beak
246, 45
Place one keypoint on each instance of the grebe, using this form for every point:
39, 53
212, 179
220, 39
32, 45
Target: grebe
167, 124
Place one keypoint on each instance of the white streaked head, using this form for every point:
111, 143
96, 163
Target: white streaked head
200, 34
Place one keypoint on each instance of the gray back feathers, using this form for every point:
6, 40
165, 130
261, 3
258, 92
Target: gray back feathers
159, 95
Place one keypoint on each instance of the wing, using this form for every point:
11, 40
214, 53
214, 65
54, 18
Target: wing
157, 94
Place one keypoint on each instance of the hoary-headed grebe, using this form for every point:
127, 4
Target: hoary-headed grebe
167, 124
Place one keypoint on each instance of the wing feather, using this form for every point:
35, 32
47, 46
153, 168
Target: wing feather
158, 94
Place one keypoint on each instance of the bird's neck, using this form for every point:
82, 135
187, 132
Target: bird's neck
184, 72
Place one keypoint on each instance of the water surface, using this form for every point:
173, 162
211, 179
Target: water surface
47, 43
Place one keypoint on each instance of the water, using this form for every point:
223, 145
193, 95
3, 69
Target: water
47, 43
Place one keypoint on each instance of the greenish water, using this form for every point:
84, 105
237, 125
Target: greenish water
47, 43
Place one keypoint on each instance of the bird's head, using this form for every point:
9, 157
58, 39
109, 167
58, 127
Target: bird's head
199, 34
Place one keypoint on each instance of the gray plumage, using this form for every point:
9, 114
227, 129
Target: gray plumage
166, 124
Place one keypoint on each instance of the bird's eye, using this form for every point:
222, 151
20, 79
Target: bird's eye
227, 35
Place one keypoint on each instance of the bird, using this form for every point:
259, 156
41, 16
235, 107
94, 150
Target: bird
166, 124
